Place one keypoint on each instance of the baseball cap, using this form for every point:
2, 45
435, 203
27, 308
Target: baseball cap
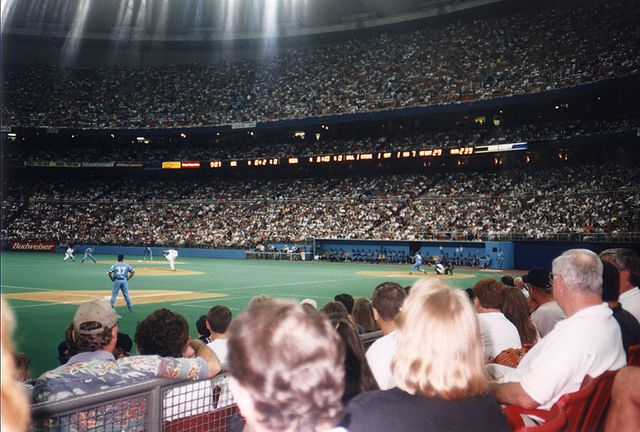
95, 311
538, 277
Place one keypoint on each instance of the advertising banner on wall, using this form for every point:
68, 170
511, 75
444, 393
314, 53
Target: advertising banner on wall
31, 246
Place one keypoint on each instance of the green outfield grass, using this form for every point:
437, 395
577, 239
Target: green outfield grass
44, 291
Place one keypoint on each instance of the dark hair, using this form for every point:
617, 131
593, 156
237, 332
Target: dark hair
346, 300
162, 333
358, 377
470, 293
507, 280
120, 257
489, 293
387, 300
335, 308
610, 282
219, 318
124, 342
363, 314
516, 309
201, 326
88, 342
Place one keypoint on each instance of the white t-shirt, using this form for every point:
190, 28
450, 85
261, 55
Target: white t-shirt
219, 348
379, 357
630, 301
587, 343
498, 333
546, 317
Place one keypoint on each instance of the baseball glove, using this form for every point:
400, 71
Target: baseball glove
510, 357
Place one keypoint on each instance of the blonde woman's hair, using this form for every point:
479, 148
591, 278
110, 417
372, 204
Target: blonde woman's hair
15, 407
439, 345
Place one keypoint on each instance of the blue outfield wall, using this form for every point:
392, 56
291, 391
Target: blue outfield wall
138, 251
521, 255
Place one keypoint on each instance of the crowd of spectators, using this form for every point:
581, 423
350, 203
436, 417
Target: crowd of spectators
536, 204
524, 52
439, 135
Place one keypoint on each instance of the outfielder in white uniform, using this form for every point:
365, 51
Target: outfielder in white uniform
171, 255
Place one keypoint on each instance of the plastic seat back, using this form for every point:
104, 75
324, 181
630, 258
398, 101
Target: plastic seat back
597, 409
633, 355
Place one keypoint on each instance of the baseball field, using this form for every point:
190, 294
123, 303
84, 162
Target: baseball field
44, 291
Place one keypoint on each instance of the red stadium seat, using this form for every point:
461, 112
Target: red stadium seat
555, 420
633, 355
218, 420
574, 405
599, 404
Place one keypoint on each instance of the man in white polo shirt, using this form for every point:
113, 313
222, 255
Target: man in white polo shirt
587, 342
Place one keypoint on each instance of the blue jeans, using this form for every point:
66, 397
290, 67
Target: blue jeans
121, 285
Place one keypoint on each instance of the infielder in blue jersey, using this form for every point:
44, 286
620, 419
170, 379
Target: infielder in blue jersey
88, 254
417, 262
120, 273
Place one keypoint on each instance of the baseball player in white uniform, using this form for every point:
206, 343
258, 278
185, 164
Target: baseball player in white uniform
171, 255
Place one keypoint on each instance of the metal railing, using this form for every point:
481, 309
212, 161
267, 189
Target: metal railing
155, 405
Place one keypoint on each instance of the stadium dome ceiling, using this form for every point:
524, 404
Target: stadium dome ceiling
189, 20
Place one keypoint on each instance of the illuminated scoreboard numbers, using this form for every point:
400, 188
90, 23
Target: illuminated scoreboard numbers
349, 157
233, 164
461, 151
385, 155
215, 164
365, 156
293, 161
430, 153
337, 158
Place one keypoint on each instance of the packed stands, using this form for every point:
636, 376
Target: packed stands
525, 52
592, 200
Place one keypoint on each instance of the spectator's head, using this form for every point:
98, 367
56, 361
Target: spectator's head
516, 309
628, 264
310, 305
577, 272
124, 344
95, 327
363, 314
610, 282
162, 333
335, 308
519, 283
218, 319
507, 280
538, 283
201, 326
120, 257
470, 294
346, 300
439, 351
15, 407
287, 368
23, 363
358, 375
489, 293
387, 300
259, 299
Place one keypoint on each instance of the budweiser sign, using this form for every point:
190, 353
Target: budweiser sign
32, 246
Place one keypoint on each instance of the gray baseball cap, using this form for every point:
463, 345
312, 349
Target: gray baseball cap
95, 311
